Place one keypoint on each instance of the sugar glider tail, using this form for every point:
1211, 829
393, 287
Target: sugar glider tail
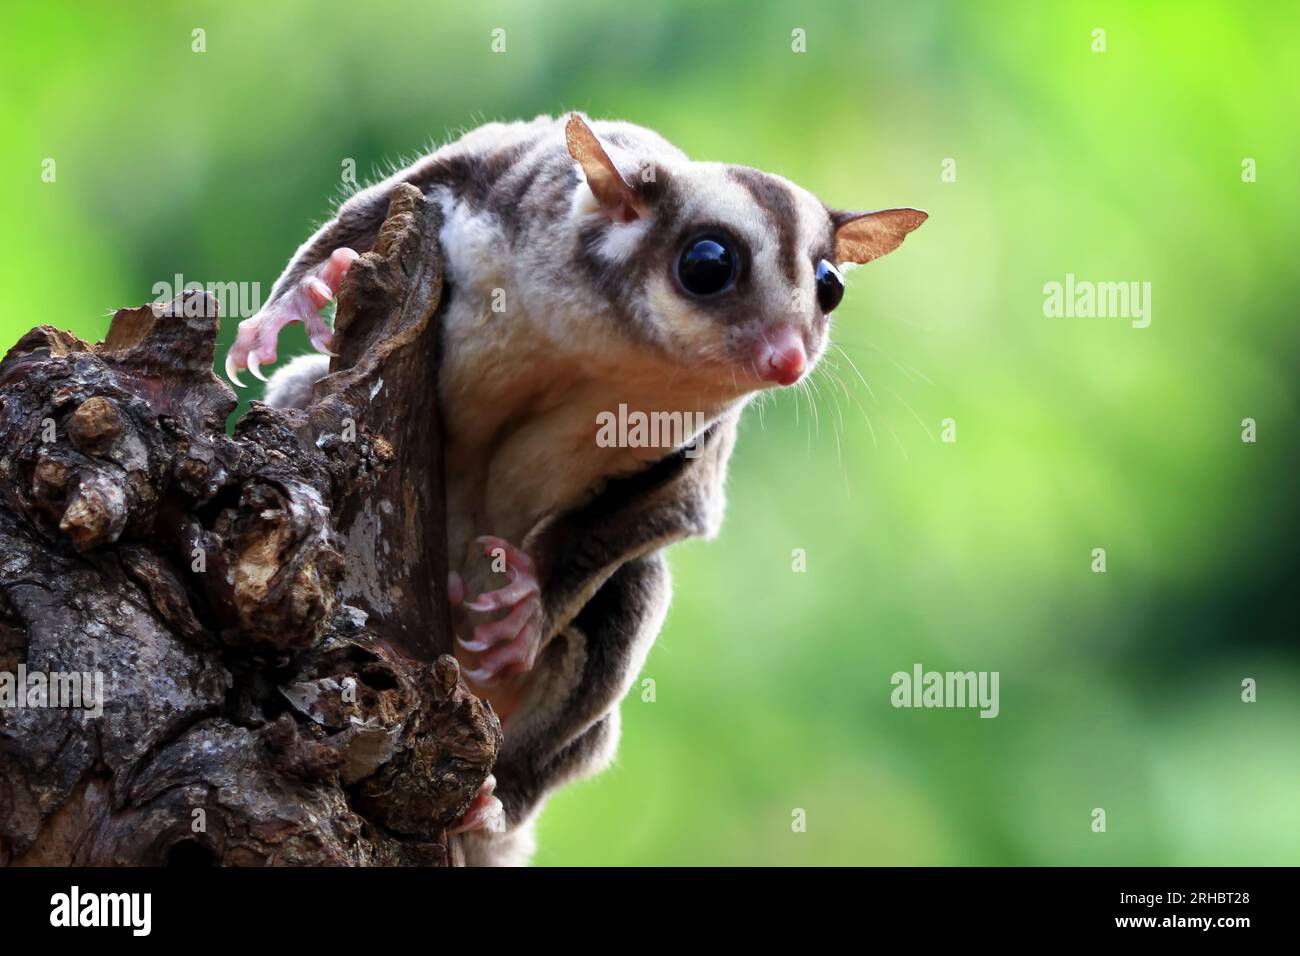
290, 386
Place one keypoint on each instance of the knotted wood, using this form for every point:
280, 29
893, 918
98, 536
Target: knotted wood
266, 609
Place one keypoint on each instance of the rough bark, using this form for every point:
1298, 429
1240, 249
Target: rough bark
267, 608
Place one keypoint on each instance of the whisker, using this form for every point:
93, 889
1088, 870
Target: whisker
924, 427
854, 365
832, 371
909, 370
906, 369
803, 388
862, 408
899, 441
836, 430
814, 401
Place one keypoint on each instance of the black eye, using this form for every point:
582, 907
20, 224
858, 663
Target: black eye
830, 286
707, 266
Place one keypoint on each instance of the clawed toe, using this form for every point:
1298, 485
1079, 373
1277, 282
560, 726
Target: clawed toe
508, 628
485, 811
520, 588
508, 644
255, 343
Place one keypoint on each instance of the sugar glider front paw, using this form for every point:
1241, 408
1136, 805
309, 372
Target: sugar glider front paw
255, 343
508, 644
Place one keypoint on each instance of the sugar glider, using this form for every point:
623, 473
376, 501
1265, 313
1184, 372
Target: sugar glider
591, 268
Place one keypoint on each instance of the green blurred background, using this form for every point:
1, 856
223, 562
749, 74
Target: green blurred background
1118, 690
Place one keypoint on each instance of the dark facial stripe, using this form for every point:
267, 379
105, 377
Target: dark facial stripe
778, 204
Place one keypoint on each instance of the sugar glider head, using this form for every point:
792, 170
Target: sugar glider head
727, 267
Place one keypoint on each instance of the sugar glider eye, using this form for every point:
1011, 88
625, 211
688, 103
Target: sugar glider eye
707, 265
830, 286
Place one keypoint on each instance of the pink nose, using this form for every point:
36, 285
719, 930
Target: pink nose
781, 357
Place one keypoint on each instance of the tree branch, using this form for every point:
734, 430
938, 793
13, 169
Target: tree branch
266, 610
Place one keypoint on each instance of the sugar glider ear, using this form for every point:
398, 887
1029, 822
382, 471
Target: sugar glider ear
617, 197
863, 236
